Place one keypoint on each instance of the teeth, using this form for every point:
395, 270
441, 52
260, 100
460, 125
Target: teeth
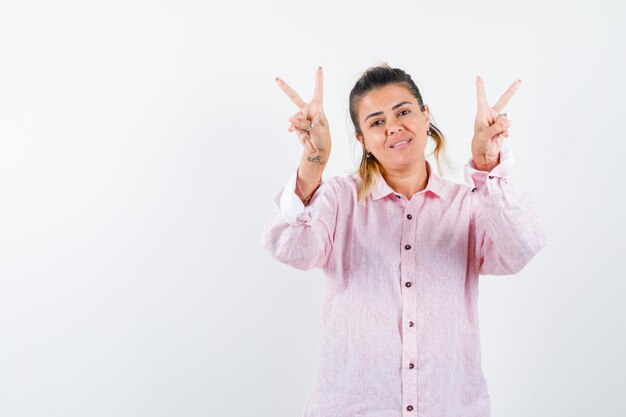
400, 143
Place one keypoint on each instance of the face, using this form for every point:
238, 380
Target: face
387, 116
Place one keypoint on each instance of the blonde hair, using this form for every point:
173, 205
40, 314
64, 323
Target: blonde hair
377, 77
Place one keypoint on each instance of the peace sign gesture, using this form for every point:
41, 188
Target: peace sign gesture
490, 126
309, 123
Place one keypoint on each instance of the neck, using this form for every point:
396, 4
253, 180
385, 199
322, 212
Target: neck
408, 181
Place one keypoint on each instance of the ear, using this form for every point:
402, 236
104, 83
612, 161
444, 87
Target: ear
426, 114
358, 137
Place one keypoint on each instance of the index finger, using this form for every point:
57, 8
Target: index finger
504, 99
319, 85
481, 97
290, 93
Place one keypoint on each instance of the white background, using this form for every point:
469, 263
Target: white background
141, 144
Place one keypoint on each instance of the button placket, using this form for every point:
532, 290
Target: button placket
409, 308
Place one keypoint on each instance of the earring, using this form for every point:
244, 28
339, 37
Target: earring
368, 154
428, 132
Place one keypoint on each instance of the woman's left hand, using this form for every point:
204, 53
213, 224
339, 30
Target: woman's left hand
490, 127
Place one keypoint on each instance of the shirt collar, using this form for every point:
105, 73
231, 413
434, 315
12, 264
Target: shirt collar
435, 185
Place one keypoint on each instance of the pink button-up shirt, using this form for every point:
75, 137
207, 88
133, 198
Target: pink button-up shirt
400, 330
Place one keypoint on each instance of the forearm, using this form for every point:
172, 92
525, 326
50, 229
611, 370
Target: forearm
508, 227
310, 172
302, 236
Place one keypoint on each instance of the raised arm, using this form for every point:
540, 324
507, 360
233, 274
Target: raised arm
505, 229
300, 231
311, 127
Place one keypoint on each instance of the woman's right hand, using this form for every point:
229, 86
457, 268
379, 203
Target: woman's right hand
317, 139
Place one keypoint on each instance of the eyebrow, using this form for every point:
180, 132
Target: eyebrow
380, 112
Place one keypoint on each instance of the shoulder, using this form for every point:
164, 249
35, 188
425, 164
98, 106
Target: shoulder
452, 190
342, 188
343, 184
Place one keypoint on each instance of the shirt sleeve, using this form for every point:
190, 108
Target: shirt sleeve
298, 235
505, 229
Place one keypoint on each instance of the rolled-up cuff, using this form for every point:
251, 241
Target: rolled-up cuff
290, 205
475, 177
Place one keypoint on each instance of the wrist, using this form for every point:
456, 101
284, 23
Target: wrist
486, 162
310, 173
317, 158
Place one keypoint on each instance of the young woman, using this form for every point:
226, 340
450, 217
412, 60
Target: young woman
401, 249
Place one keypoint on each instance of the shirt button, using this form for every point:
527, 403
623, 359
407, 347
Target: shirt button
408, 216
407, 247
410, 324
408, 284
473, 189
409, 408
491, 177
397, 196
411, 366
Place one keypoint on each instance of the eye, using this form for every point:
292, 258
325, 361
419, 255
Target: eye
402, 112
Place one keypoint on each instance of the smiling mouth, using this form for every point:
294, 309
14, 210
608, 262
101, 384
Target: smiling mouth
404, 142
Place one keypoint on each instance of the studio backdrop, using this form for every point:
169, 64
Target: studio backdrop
142, 144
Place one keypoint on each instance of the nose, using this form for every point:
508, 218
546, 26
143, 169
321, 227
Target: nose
394, 126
